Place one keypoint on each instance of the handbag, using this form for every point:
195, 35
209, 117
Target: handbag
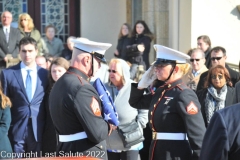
131, 134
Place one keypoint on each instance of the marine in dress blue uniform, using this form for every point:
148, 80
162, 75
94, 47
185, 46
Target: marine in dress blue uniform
75, 106
174, 111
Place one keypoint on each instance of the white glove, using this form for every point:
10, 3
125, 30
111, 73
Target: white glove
147, 78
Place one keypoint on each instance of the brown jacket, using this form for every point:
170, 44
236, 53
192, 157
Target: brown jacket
192, 81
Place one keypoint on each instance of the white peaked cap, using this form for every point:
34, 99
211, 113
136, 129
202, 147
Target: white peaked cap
165, 54
85, 44
88, 46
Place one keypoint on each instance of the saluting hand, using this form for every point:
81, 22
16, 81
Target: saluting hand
147, 78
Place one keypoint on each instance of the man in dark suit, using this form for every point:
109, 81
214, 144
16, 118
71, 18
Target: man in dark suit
9, 39
25, 84
222, 138
218, 57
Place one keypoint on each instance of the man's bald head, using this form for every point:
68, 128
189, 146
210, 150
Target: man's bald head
85, 62
41, 61
77, 55
87, 55
6, 12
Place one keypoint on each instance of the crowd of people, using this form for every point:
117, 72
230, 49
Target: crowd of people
181, 106
48, 46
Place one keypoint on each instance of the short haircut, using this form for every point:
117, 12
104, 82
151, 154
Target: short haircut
205, 39
117, 61
39, 56
50, 26
217, 69
27, 40
217, 49
48, 57
191, 51
5, 12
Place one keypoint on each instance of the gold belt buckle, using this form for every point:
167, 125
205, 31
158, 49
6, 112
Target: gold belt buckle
154, 135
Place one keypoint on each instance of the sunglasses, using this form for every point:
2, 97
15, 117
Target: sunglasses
192, 60
113, 71
216, 58
217, 76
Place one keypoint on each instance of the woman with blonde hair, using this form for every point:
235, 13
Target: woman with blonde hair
124, 39
174, 111
27, 29
5, 120
119, 88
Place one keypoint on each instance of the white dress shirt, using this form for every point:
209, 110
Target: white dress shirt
8, 29
196, 73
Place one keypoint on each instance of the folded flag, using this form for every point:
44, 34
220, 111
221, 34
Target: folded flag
109, 109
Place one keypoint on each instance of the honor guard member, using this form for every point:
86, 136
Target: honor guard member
174, 111
75, 106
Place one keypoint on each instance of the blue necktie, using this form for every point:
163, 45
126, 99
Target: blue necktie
29, 85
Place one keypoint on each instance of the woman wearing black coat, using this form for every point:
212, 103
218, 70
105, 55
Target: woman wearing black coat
217, 94
49, 143
142, 35
124, 39
138, 51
